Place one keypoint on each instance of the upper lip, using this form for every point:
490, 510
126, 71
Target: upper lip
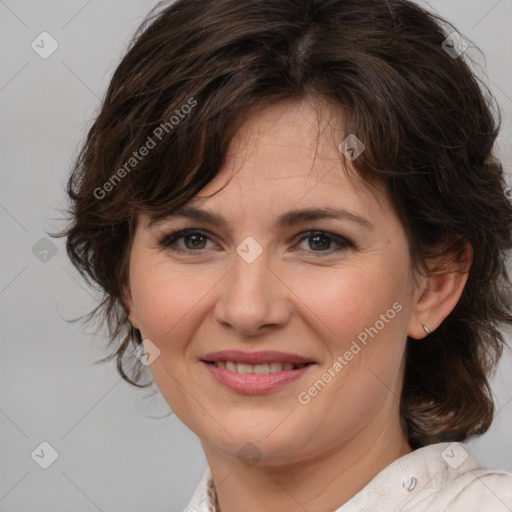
265, 356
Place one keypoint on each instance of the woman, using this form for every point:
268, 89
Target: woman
295, 214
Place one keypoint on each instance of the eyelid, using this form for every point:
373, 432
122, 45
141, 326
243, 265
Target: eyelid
340, 240
166, 241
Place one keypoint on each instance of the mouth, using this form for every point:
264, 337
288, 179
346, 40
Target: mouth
262, 368
254, 373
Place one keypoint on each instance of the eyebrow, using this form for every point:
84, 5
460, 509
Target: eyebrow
286, 219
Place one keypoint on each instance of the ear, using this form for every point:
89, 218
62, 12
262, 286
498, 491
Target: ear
440, 291
130, 306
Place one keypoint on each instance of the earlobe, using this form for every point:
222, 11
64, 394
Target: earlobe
440, 293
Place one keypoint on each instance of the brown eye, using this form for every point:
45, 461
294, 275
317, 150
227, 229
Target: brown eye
321, 242
192, 241
195, 241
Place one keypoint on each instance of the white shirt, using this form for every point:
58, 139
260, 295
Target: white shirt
442, 477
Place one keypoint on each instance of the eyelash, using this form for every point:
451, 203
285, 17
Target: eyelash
169, 240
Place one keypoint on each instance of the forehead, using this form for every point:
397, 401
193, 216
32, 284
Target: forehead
286, 157
295, 133
289, 150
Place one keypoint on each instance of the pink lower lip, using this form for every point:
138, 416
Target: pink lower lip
255, 383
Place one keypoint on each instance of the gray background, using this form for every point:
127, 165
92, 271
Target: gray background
113, 455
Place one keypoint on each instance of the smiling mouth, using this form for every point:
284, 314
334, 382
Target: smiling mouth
263, 368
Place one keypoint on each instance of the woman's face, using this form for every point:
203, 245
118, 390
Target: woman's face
271, 285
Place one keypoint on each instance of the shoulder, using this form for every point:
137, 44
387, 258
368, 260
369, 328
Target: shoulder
490, 488
458, 484
443, 476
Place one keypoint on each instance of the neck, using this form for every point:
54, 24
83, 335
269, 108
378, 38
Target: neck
316, 484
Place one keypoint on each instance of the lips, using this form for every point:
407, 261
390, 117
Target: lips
255, 372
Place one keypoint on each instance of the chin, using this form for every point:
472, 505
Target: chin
271, 443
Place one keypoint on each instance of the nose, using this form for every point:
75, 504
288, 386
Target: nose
252, 299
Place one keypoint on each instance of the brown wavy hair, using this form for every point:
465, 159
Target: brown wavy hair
428, 123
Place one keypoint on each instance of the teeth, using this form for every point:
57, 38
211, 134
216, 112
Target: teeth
230, 366
244, 368
260, 368
275, 367
256, 368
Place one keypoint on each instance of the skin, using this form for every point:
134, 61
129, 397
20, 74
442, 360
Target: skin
298, 297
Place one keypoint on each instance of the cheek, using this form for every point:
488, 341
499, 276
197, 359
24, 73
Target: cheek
362, 313
342, 303
365, 309
170, 305
168, 301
